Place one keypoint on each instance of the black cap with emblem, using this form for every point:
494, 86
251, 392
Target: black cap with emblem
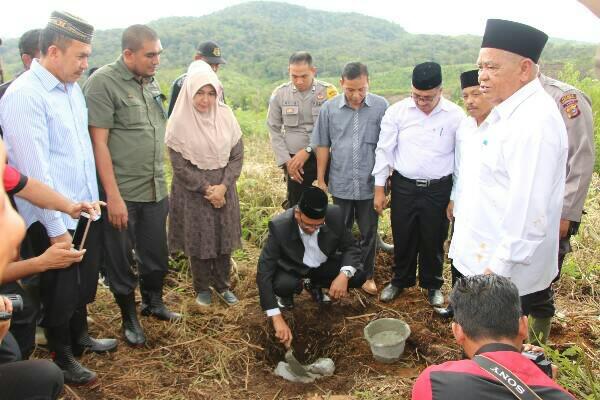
313, 203
427, 75
469, 78
515, 37
211, 53
71, 26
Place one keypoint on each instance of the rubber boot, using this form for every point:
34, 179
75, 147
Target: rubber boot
383, 246
539, 330
152, 304
74, 373
82, 340
132, 330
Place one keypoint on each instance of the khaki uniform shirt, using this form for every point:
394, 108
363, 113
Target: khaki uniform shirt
576, 110
292, 115
134, 114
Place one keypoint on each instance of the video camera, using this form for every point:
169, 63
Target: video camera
17, 304
538, 358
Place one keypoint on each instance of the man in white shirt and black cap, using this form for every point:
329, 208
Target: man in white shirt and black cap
515, 201
416, 143
466, 153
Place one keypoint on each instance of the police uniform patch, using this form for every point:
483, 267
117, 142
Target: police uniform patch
569, 104
331, 92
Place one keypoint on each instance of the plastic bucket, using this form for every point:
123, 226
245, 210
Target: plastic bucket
387, 337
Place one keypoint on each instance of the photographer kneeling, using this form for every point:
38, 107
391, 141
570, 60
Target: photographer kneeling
491, 330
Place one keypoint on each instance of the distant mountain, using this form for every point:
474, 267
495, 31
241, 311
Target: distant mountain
258, 37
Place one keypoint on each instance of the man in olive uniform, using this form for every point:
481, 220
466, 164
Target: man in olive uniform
210, 52
293, 110
127, 125
576, 110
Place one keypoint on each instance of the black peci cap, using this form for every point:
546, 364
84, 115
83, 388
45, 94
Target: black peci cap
71, 26
211, 53
427, 75
469, 78
313, 202
515, 37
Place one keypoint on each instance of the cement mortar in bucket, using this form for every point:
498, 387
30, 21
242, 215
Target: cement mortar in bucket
387, 337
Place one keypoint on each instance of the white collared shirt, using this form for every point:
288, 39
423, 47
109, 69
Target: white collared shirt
417, 145
466, 156
514, 200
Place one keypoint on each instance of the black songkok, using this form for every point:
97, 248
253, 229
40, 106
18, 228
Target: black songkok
71, 26
313, 202
515, 37
427, 75
469, 78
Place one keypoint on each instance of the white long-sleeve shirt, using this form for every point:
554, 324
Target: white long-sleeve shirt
466, 156
417, 145
512, 203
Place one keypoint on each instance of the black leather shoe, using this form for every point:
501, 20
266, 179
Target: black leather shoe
286, 303
87, 343
316, 293
152, 305
435, 296
389, 293
446, 313
132, 330
73, 371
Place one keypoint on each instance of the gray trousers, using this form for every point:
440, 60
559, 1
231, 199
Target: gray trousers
363, 212
147, 234
209, 271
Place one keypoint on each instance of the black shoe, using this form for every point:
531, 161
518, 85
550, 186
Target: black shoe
82, 340
74, 372
390, 292
132, 330
286, 303
152, 304
435, 296
316, 293
383, 246
446, 313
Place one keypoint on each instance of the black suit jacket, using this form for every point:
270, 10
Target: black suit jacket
284, 250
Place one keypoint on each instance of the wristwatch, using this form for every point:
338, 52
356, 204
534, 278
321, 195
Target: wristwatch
308, 149
348, 273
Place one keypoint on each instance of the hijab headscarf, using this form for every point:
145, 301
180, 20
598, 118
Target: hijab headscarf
204, 139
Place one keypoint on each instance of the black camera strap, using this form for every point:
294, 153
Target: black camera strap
507, 378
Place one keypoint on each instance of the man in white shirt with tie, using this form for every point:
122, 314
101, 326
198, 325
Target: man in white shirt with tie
416, 143
466, 153
515, 199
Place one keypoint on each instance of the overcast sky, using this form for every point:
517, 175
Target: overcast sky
566, 19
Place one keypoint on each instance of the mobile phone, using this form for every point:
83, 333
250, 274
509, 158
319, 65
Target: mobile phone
81, 232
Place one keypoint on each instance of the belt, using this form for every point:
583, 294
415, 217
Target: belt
424, 182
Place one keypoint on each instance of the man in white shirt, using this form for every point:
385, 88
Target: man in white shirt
466, 153
307, 244
417, 144
515, 201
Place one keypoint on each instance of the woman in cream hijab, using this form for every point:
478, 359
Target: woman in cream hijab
206, 151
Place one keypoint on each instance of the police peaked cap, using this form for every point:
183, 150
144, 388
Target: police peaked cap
427, 75
313, 202
515, 37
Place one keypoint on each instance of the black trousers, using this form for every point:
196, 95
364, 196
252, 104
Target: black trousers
22, 323
30, 380
295, 189
63, 291
419, 229
146, 234
362, 211
287, 283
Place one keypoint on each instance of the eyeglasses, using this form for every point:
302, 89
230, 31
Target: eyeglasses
310, 226
422, 99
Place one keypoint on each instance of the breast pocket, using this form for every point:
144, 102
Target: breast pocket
290, 115
372, 129
132, 112
315, 113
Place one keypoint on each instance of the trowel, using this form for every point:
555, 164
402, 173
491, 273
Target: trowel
294, 365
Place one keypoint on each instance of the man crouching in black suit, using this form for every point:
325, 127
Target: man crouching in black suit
307, 245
